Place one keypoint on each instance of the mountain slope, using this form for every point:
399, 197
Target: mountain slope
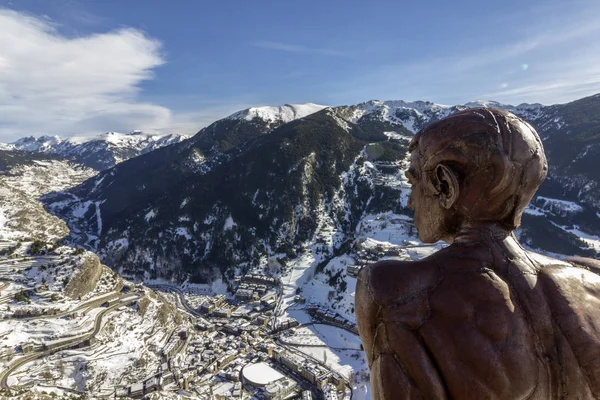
241, 195
98, 152
256, 185
24, 177
571, 134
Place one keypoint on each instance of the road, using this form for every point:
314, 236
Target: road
90, 303
67, 344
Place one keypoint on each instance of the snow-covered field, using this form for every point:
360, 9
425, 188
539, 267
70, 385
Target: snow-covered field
378, 236
42, 177
113, 360
327, 335
37, 314
591, 240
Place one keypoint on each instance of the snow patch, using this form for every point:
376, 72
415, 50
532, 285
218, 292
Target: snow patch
284, 114
229, 224
149, 215
182, 231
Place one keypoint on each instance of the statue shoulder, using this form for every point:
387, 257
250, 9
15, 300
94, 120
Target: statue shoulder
390, 281
573, 293
554, 267
392, 291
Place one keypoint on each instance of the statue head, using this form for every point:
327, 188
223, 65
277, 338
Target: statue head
478, 166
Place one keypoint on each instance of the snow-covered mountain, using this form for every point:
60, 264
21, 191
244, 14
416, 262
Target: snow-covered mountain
99, 152
266, 178
280, 114
414, 115
303, 195
263, 181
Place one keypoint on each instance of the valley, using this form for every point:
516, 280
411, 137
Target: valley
224, 265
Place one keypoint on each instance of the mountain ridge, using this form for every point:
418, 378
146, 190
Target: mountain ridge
243, 189
97, 151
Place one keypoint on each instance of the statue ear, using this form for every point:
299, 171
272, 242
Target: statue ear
446, 184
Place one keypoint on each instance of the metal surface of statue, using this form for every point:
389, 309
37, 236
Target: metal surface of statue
483, 318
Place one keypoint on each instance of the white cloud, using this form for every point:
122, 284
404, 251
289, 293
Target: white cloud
54, 84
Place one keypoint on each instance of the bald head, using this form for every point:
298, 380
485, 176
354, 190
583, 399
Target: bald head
498, 160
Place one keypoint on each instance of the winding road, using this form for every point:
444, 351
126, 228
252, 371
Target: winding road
67, 344
93, 303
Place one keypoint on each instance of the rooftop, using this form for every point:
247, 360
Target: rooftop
261, 374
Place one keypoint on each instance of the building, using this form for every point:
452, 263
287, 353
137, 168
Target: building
322, 379
222, 312
278, 352
243, 294
232, 329
269, 303
263, 320
338, 381
27, 348
204, 325
171, 347
307, 395
137, 390
255, 278
260, 374
207, 307
153, 384
292, 361
316, 374
393, 252
219, 300
287, 324
353, 270
329, 392
167, 378
226, 358
280, 389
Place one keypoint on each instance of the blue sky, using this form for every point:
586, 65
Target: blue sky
74, 66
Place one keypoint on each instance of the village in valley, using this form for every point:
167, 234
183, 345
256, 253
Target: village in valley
214, 347
71, 327
274, 336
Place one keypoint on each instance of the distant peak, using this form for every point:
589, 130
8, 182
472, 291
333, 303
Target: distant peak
284, 113
486, 104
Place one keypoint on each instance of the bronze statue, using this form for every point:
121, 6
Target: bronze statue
483, 318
